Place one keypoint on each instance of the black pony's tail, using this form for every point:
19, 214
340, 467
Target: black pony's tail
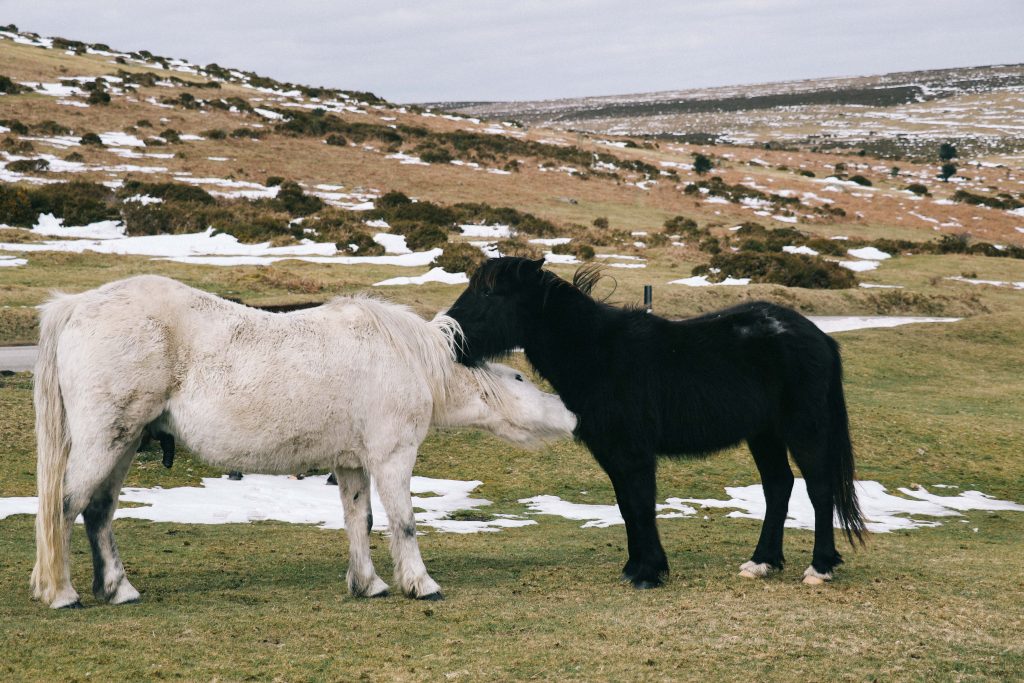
844, 495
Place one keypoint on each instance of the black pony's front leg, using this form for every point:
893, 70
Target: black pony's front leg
633, 477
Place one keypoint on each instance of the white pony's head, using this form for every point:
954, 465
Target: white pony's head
504, 402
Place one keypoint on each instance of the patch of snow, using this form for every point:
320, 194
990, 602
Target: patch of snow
51, 226
492, 231
994, 283
870, 253
405, 159
702, 281
551, 241
859, 266
845, 323
263, 497
433, 275
393, 244
11, 262
884, 511
800, 250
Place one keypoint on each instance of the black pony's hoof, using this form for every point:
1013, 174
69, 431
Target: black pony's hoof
647, 584
433, 597
235, 476
382, 594
77, 604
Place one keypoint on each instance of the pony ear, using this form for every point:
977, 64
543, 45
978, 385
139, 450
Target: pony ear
537, 264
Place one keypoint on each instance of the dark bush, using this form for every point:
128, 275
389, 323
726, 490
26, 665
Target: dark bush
214, 134
1003, 201
15, 125
827, 246
460, 257
601, 223
143, 123
274, 181
171, 135
423, 237
293, 200
154, 142
682, 225
28, 165
16, 206
701, 164
517, 246
78, 203
860, 180
175, 192
9, 87
918, 189
336, 140
253, 133
947, 171
416, 212
252, 223
74, 156
434, 155
17, 146
392, 199
807, 174
169, 217
49, 127
580, 250
710, 245
91, 139
358, 242
790, 270
97, 96
485, 214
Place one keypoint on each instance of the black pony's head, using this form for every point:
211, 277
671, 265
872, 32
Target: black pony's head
496, 306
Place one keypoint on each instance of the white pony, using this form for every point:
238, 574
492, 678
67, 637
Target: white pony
353, 385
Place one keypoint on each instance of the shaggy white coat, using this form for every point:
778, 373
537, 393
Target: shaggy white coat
353, 385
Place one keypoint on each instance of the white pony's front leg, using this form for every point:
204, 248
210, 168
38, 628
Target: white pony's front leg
393, 476
354, 487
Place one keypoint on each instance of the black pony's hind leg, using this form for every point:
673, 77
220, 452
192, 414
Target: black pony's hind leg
633, 477
811, 458
769, 451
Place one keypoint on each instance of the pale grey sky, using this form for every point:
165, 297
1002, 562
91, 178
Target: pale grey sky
435, 50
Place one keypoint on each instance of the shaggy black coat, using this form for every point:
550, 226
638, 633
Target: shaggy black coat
643, 386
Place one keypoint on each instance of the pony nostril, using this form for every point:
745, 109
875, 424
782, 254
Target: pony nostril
519, 378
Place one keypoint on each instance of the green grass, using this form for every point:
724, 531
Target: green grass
929, 404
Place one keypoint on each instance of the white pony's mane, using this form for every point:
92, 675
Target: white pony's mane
428, 345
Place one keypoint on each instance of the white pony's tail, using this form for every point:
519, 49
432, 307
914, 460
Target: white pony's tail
53, 446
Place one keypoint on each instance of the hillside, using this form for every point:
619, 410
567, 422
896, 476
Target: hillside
125, 162
899, 114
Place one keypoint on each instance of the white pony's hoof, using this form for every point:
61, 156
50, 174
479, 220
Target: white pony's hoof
124, 594
755, 570
423, 587
67, 599
376, 588
812, 577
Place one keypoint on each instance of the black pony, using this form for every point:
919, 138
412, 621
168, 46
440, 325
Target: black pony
643, 386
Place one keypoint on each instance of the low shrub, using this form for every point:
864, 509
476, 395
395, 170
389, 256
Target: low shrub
143, 123
790, 270
807, 174
273, 181
581, 250
250, 222
423, 237
15, 125
918, 189
170, 135
28, 165
177, 192
75, 157
16, 206
100, 97
460, 257
434, 155
91, 139
601, 223
357, 241
682, 225
252, 133
292, 199
860, 180
517, 246
17, 146
9, 87
336, 140
78, 202
485, 214
49, 127
1003, 200
215, 134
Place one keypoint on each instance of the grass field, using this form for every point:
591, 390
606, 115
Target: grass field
929, 404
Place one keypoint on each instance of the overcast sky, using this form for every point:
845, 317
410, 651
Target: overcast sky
434, 50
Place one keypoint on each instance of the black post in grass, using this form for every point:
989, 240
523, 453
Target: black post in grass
649, 298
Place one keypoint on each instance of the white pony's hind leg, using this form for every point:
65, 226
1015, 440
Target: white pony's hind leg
393, 475
109, 583
354, 487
